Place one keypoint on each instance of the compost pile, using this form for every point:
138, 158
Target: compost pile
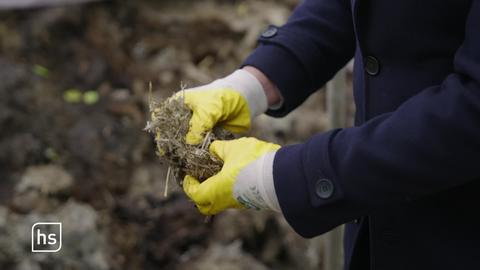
74, 101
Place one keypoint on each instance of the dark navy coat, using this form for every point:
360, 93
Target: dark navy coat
409, 169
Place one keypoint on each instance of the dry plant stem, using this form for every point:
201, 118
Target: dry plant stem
206, 141
165, 193
150, 100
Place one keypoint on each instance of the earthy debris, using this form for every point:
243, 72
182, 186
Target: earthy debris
170, 123
115, 48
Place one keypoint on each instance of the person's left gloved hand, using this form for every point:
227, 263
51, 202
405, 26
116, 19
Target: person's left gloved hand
245, 181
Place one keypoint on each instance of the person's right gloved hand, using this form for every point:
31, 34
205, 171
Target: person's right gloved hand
245, 181
231, 102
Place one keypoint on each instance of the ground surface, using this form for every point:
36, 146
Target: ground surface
73, 105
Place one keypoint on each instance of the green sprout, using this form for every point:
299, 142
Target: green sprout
72, 95
90, 97
41, 71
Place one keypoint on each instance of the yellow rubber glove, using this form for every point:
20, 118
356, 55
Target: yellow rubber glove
231, 102
243, 170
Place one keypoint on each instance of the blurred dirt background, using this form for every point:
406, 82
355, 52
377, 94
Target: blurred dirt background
73, 105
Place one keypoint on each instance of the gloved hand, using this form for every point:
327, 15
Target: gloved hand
245, 181
231, 102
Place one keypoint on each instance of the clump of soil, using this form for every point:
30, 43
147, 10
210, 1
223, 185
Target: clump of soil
170, 123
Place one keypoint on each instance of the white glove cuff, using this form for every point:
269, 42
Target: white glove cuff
267, 186
249, 87
254, 187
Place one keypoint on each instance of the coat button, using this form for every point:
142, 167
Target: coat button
270, 32
324, 188
372, 66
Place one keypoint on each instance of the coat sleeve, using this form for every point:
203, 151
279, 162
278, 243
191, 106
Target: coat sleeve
302, 55
431, 143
